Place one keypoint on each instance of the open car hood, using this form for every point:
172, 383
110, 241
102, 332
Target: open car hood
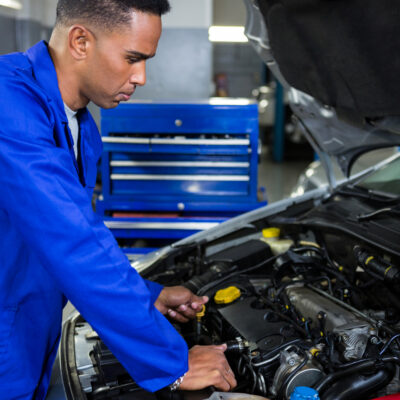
340, 63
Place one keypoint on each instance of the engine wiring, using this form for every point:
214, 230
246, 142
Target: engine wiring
286, 343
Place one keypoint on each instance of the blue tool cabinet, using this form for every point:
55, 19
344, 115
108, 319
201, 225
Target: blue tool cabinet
198, 159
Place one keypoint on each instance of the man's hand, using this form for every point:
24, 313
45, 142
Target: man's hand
208, 367
179, 303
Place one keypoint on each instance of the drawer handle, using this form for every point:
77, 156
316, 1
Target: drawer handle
192, 226
178, 122
197, 164
156, 177
176, 141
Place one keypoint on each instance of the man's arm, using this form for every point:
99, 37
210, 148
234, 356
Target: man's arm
46, 202
154, 288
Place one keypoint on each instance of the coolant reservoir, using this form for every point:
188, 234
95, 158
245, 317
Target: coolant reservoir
271, 237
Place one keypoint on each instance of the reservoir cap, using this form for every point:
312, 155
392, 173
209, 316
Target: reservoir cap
304, 393
226, 296
271, 233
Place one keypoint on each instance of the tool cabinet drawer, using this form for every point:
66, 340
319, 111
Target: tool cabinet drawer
218, 116
208, 144
161, 154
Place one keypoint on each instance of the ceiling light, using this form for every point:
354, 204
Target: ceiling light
15, 4
224, 101
230, 34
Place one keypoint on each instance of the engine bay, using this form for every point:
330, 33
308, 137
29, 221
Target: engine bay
297, 306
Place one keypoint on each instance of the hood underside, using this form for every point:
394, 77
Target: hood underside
340, 61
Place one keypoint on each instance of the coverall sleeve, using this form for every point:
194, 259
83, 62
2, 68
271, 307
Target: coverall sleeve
43, 197
154, 288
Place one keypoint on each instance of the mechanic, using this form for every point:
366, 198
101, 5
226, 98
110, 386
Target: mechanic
54, 247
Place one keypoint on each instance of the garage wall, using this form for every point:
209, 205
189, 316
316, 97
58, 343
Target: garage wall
21, 29
8, 39
242, 66
229, 12
238, 61
186, 61
182, 68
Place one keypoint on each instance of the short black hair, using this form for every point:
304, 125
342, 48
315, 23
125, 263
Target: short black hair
106, 14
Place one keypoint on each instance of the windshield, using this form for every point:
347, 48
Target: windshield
385, 180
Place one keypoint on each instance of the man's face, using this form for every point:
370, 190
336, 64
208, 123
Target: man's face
116, 63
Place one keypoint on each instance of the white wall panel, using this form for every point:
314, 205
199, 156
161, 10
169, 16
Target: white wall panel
7, 12
49, 12
189, 14
229, 12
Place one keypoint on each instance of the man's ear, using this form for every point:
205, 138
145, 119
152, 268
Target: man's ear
80, 39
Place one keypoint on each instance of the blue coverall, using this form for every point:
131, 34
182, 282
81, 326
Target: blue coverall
53, 246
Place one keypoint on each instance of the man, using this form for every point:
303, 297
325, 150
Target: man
53, 246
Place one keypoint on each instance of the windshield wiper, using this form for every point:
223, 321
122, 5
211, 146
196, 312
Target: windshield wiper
373, 214
368, 194
391, 201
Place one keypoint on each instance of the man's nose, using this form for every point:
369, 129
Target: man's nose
138, 75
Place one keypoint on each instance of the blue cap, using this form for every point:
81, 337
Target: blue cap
304, 393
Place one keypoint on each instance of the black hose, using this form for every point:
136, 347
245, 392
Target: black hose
333, 268
393, 298
198, 281
354, 363
211, 285
331, 347
275, 351
388, 359
329, 379
388, 343
244, 365
308, 248
356, 366
284, 317
358, 387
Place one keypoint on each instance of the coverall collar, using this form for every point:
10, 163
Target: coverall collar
46, 76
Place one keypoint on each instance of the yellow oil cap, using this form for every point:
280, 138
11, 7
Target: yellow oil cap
201, 313
271, 232
314, 351
226, 296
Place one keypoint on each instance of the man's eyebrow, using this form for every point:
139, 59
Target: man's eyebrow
138, 54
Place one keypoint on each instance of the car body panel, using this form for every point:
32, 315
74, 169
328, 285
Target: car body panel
345, 136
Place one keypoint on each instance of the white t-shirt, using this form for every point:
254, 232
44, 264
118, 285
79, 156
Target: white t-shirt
73, 127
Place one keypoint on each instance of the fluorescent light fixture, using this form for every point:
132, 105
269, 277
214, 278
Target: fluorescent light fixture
225, 101
15, 4
230, 34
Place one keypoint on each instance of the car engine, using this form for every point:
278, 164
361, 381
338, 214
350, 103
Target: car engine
295, 307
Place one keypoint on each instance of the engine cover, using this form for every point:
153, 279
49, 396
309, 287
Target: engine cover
256, 325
